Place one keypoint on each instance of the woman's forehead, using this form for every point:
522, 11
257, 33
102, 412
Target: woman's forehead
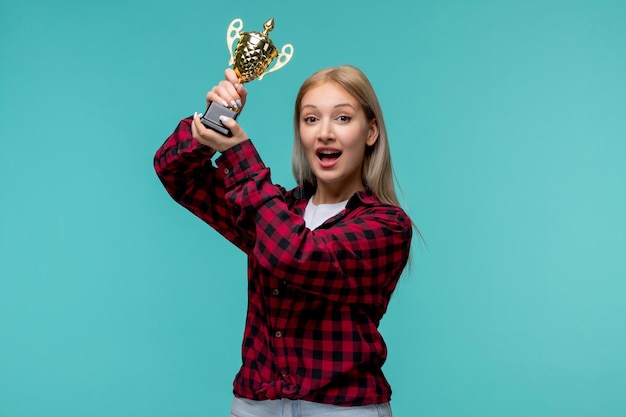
328, 93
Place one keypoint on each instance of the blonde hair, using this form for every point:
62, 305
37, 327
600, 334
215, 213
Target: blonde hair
377, 173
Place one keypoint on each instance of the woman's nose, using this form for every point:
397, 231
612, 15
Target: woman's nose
326, 133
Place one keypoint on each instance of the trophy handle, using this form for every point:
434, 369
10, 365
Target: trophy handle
234, 29
283, 57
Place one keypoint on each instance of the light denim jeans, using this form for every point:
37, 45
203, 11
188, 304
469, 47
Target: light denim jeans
299, 408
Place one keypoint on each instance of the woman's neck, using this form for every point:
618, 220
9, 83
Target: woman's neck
330, 195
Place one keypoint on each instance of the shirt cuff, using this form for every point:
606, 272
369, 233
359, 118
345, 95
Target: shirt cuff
188, 145
239, 162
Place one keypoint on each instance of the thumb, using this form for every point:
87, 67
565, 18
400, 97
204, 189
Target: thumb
238, 134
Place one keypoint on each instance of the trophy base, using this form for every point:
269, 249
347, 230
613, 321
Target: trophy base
211, 118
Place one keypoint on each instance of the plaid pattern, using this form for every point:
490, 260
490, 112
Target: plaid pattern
315, 298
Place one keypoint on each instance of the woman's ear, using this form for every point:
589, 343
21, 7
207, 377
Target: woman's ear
372, 134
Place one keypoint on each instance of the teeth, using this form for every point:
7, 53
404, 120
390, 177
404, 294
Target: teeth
327, 152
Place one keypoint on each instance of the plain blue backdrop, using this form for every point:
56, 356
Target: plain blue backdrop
508, 134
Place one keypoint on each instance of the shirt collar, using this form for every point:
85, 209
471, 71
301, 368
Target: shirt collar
365, 196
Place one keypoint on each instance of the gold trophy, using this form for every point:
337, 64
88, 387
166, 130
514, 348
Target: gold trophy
253, 55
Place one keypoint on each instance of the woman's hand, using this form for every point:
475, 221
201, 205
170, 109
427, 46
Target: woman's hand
229, 93
215, 140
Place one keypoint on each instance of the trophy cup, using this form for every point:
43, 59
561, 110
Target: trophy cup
253, 55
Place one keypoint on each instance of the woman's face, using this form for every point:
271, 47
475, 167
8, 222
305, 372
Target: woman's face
335, 132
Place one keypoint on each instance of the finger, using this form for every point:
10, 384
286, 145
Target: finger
214, 96
230, 94
238, 135
200, 132
225, 94
231, 76
243, 93
195, 126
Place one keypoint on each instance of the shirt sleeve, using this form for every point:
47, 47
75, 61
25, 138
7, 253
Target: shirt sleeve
186, 170
357, 260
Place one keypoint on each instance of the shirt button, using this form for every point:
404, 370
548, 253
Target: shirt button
226, 171
275, 292
278, 333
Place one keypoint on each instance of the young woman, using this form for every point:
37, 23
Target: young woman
323, 258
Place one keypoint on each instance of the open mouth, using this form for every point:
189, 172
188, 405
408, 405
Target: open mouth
328, 155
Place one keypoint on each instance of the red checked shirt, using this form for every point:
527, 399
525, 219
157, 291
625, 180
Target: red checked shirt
315, 298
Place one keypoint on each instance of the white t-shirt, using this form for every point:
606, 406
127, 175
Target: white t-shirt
314, 215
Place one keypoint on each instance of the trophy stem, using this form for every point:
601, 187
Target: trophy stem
239, 76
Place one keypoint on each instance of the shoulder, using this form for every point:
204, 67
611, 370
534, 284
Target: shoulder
296, 196
365, 206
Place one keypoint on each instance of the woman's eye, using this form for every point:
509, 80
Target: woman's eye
309, 119
344, 118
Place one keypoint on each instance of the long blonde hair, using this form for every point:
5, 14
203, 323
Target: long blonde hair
377, 173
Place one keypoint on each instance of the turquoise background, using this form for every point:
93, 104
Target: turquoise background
508, 133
